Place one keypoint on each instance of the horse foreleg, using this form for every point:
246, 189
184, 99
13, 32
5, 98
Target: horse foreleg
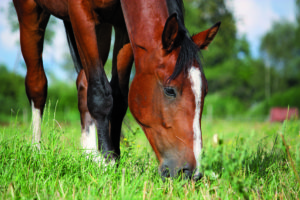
99, 94
88, 128
33, 21
122, 63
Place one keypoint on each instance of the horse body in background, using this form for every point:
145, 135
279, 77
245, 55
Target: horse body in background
167, 93
102, 104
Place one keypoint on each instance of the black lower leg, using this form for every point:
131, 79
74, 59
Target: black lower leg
118, 112
100, 102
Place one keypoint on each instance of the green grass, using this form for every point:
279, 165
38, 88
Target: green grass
248, 162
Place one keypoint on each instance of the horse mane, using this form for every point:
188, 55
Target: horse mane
188, 49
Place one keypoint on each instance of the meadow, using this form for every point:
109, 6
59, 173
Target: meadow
249, 160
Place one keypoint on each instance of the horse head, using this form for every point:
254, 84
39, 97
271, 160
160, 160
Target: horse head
166, 97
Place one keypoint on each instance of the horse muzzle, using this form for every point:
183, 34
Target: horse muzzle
186, 172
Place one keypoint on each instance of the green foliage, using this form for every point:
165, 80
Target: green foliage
289, 98
279, 41
284, 99
63, 99
229, 68
14, 102
219, 106
280, 50
240, 79
201, 15
12, 94
231, 71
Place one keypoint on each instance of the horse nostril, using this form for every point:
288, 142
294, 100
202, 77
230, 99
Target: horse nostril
185, 173
165, 172
197, 176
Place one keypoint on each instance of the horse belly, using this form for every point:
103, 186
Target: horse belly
58, 8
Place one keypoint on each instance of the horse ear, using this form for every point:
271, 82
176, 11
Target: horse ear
170, 32
204, 38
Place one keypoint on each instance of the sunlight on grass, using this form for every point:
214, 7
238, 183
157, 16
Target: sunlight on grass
248, 161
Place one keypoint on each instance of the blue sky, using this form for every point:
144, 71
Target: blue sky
254, 18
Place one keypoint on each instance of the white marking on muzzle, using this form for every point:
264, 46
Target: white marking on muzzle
196, 83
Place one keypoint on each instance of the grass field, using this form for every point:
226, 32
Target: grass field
250, 161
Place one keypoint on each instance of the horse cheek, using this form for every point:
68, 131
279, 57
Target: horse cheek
139, 99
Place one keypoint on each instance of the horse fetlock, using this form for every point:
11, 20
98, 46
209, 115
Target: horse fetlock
103, 162
88, 138
100, 159
36, 126
36, 93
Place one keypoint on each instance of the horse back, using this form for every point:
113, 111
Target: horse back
59, 8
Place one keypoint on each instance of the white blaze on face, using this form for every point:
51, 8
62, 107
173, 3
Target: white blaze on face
196, 83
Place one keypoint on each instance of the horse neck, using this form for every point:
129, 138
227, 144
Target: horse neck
145, 22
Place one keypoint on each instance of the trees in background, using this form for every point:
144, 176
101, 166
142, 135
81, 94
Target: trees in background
280, 49
202, 14
229, 67
237, 81
12, 93
14, 102
281, 52
232, 72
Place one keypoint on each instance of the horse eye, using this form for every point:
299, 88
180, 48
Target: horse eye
170, 92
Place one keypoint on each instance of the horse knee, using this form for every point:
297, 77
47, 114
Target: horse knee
100, 106
100, 99
36, 90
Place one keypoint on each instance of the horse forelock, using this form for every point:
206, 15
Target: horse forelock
187, 57
189, 51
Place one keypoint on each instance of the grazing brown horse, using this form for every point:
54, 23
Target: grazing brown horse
167, 93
